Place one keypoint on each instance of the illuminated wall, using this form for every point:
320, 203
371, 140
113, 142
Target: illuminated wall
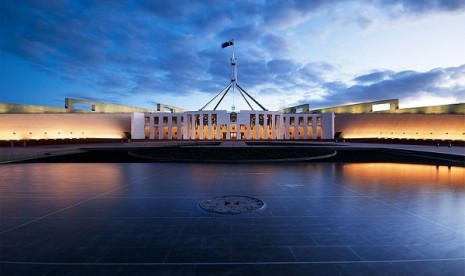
222, 125
63, 126
401, 126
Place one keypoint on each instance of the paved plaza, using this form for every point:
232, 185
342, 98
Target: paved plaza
317, 219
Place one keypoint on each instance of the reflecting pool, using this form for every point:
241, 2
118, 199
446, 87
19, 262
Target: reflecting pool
144, 218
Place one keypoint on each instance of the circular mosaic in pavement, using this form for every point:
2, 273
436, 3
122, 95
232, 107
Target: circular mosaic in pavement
232, 204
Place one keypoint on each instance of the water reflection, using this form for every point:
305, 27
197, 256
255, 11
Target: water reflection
59, 180
399, 177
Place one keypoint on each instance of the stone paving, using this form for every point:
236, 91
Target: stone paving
145, 219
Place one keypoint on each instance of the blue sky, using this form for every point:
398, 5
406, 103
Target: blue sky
320, 52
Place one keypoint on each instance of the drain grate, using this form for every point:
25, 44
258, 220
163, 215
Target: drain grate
232, 204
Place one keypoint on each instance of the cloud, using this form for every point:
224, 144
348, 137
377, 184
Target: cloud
364, 21
401, 7
173, 47
374, 77
399, 85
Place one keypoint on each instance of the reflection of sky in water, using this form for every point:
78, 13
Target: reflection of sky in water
65, 213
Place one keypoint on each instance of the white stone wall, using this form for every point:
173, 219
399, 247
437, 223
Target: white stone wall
258, 125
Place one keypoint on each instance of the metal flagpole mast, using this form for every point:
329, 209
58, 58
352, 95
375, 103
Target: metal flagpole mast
233, 73
233, 84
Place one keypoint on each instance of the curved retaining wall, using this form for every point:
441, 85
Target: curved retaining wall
401, 126
63, 126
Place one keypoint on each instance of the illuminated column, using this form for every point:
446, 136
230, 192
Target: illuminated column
314, 120
193, 126
286, 124
201, 126
209, 127
160, 127
305, 127
170, 126
265, 126
280, 126
249, 126
273, 124
178, 127
185, 128
151, 128
218, 127
296, 128
257, 126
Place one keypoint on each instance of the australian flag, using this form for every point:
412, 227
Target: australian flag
228, 43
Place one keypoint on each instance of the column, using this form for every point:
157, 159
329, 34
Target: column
265, 126
185, 126
170, 127
201, 126
193, 126
296, 128
305, 127
273, 125
257, 126
209, 127
249, 126
160, 127
151, 128
314, 120
178, 127
218, 127
286, 127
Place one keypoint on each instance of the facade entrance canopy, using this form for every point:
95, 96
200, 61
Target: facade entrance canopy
223, 125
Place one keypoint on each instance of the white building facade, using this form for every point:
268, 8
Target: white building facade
223, 125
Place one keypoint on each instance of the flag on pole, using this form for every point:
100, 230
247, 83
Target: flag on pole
227, 43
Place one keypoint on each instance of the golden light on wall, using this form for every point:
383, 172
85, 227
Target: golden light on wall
63, 126
401, 126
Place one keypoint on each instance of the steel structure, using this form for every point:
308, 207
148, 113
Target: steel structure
233, 84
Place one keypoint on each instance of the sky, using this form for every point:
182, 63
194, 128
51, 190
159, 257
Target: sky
318, 52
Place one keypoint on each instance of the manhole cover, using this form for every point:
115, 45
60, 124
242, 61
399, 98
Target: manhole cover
231, 204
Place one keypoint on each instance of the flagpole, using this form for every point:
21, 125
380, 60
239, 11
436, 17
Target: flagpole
233, 73
233, 83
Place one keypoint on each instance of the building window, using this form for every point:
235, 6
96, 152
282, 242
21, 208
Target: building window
205, 119
214, 119
252, 120
233, 117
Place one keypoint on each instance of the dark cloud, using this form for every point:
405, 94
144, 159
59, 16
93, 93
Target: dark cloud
374, 77
387, 85
173, 47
